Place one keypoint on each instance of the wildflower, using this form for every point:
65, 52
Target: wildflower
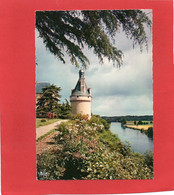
91, 151
79, 137
77, 154
83, 156
96, 147
87, 141
95, 142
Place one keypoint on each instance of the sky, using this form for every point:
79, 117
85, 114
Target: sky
115, 91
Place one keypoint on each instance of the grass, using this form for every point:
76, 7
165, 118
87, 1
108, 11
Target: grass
107, 156
145, 127
47, 122
45, 135
132, 122
139, 127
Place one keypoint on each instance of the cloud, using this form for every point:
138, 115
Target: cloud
119, 105
115, 91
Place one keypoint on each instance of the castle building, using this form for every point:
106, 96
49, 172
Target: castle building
81, 97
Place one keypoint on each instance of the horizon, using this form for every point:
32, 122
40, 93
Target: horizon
128, 115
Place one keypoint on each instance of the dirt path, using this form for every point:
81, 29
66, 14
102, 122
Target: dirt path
44, 129
47, 144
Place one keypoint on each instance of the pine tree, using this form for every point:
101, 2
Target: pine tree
65, 109
49, 101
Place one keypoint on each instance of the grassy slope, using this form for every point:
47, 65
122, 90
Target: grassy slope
106, 157
48, 121
45, 135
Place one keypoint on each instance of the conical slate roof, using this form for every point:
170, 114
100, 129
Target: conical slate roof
81, 88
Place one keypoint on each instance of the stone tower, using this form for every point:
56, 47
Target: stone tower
81, 97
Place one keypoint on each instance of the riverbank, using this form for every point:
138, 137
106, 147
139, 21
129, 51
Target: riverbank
138, 139
138, 127
146, 129
86, 149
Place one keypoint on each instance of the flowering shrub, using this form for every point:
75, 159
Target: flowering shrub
96, 119
50, 115
88, 151
80, 117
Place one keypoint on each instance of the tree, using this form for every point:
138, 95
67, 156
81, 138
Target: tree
49, 101
70, 31
140, 123
150, 132
65, 110
123, 121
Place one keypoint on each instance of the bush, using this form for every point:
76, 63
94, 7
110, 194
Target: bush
43, 120
140, 123
149, 159
41, 114
96, 119
150, 132
123, 121
80, 117
86, 153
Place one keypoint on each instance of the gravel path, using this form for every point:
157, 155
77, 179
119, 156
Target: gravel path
44, 129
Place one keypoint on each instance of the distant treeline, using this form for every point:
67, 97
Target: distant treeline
128, 118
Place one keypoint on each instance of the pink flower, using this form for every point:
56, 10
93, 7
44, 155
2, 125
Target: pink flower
95, 142
87, 141
96, 147
77, 154
91, 151
79, 137
83, 156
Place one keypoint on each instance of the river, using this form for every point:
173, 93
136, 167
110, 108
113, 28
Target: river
139, 142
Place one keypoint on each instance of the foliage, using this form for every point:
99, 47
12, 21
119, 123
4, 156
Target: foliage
88, 151
45, 135
123, 121
48, 105
39, 122
96, 119
149, 159
128, 118
150, 132
80, 117
114, 143
140, 123
43, 120
48, 102
65, 110
70, 31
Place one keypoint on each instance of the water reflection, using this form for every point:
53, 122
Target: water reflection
139, 142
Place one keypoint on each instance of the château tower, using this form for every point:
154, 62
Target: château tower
81, 96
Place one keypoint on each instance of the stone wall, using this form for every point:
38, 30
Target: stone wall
81, 105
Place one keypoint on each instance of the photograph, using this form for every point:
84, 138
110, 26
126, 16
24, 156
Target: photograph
86, 97
94, 94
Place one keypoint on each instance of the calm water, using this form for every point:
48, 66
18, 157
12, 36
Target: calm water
139, 142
